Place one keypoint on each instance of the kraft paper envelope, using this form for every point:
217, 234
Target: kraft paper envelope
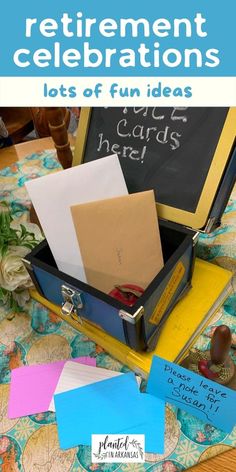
119, 240
52, 196
77, 375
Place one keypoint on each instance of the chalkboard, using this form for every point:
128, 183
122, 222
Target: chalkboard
169, 150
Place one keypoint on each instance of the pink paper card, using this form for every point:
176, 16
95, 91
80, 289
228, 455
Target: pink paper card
32, 387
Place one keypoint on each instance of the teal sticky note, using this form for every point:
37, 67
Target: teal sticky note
209, 401
110, 406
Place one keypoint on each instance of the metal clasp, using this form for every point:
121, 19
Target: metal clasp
72, 303
133, 319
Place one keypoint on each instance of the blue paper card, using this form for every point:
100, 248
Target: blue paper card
110, 406
211, 402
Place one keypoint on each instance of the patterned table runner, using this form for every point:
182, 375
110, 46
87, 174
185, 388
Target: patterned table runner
30, 444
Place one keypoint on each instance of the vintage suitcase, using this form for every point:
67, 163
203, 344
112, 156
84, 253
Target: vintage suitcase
195, 167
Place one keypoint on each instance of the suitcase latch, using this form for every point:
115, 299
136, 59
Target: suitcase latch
72, 302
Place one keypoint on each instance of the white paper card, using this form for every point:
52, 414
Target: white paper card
76, 375
53, 195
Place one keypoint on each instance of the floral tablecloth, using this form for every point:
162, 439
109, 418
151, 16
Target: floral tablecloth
37, 335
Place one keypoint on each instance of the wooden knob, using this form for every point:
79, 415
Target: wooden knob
220, 344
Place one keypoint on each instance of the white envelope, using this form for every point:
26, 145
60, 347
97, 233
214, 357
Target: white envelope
78, 375
54, 194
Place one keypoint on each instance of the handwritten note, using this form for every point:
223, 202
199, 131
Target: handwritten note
207, 400
148, 126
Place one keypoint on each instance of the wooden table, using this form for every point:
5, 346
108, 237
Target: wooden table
18, 122
11, 154
225, 462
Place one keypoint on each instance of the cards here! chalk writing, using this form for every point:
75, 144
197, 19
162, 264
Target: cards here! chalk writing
154, 145
211, 402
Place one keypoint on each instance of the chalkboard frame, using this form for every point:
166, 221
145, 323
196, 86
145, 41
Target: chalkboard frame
199, 218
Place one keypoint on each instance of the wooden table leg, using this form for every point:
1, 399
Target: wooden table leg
59, 135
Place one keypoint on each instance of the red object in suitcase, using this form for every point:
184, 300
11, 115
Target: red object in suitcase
127, 293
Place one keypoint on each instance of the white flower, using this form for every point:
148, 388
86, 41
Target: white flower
13, 273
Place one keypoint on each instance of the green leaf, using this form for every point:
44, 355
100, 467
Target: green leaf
31, 235
23, 231
5, 219
3, 292
14, 305
4, 250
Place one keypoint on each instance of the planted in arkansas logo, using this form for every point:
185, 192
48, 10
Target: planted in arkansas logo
118, 448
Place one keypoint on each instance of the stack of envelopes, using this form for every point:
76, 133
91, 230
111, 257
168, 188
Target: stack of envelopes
87, 400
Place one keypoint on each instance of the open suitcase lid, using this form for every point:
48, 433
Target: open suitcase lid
181, 153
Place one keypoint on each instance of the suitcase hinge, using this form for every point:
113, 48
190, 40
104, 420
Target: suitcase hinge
72, 302
132, 318
195, 238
